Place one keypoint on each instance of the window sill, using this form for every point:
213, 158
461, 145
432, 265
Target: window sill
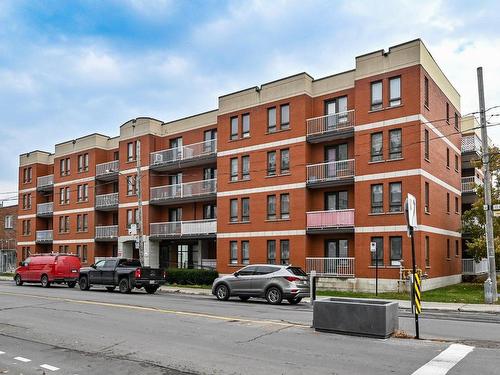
394, 213
238, 139
447, 167
386, 108
427, 212
239, 222
376, 161
278, 175
277, 131
276, 220
396, 159
426, 107
379, 267
427, 160
376, 213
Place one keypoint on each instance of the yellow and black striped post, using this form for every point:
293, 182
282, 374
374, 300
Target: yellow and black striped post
417, 294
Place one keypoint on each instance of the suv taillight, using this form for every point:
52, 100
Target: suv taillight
292, 278
138, 273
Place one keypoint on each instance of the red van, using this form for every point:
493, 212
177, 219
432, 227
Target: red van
49, 268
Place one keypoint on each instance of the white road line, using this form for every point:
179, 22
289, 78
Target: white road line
2, 352
22, 359
49, 367
444, 362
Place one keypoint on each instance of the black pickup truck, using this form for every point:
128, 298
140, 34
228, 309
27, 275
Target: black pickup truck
125, 274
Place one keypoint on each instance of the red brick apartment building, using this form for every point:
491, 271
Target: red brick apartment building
299, 170
8, 220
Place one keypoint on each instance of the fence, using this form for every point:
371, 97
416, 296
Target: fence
471, 267
332, 170
339, 267
330, 123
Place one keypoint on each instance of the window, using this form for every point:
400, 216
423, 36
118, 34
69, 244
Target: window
78, 223
426, 144
82, 223
427, 252
130, 218
62, 196
234, 169
233, 210
245, 252
394, 91
131, 148
447, 248
285, 252
447, 112
376, 147
426, 92
271, 120
233, 252
26, 201
285, 117
378, 256
131, 188
457, 250
395, 197
285, 161
285, 206
271, 163
65, 165
456, 121
9, 222
376, 95
426, 197
83, 192
377, 199
27, 175
234, 127
84, 253
245, 119
210, 140
67, 192
395, 144
63, 224
448, 202
245, 167
83, 162
26, 227
271, 251
456, 205
271, 207
396, 250
245, 209
209, 211
456, 163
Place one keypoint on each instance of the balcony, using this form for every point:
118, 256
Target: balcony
106, 233
184, 229
106, 202
336, 267
330, 127
45, 183
471, 267
45, 209
198, 191
107, 171
332, 173
469, 184
185, 156
471, 143
44, 236
332, 221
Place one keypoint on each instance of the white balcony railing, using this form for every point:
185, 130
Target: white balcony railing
185, 190
470, 183
330, 219
471, 267
471, 143
44, 235
45, 208
106, 200
45, 181
182, 228
177, 154
335, 122
107, 168
340, 267
106, 232
330, 171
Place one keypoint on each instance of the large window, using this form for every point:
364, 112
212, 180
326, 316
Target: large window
285, 117
271, 207
131, 151
448, 250
427, 252
83, 162
376, 95
245, 209
245, 167
83, 193
395, 144
426, 92
378, 256
396, 250
271, 163
271, 251
426, 197
377, 199
447, 112
131, 187
234, 127
394, 91
9, 222
448, 202
456, 248
84, 253
245, 252
233, 210
245, 131
233, 252
456, 121
234, 169
285, 252
376, 147
285, 161
271, 120
285, 206
457, 210
426, 144
395, 197
447, 158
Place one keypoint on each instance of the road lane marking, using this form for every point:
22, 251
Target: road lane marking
445, 361
164, 311
2, 352
49, 367
22, 359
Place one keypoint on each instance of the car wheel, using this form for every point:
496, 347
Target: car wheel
71, 284
294, 301
222, 292
151, 289
244, 298
45, 281
110, 288
18, 280
84, 283
124, 286
274, 295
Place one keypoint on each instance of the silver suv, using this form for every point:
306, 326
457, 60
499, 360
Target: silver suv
272, 282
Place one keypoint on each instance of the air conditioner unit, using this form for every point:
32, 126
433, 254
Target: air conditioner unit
158, 158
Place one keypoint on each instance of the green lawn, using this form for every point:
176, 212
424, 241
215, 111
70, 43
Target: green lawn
459, 293
7, 274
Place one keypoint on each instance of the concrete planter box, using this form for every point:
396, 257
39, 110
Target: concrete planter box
361, 317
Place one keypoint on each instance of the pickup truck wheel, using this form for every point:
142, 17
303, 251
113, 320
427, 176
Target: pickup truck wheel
124, 286
71, 284
150, 289
18, 280
110, 288
45, 281
222, 292
84, 283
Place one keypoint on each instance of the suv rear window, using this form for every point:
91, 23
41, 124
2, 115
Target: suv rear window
297, 271
130, 263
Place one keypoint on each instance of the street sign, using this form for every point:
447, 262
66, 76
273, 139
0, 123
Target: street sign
373, 247
411, 211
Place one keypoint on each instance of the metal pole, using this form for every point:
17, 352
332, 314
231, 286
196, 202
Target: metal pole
490, 248
138, 186
376, 272
414, 270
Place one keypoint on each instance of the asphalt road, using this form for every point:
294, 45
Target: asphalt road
72, 332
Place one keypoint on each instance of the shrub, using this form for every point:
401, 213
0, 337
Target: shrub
184, 276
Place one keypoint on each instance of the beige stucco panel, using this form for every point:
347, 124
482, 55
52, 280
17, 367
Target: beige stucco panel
333, 83
189, 123
36, 157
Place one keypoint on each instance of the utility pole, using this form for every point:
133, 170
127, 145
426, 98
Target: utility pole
490, 248
138, 187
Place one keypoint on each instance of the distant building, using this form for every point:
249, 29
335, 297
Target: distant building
8, 224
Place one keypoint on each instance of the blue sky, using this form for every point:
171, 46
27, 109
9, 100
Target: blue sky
70, 68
